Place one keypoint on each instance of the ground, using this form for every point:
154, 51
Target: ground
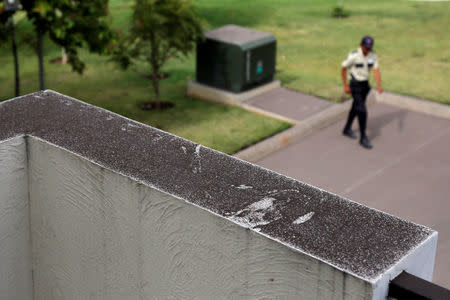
406, 174
411, 39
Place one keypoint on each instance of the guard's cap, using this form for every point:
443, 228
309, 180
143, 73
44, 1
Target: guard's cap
367, 41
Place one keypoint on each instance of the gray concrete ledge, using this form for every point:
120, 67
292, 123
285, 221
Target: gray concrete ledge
360, 241
204, 92
415, 104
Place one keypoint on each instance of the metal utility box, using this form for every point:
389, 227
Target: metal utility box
236, 59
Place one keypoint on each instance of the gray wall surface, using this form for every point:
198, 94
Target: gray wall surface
98, 234
15, 258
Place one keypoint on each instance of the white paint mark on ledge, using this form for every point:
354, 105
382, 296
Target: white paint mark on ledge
197, 160
197, 150
304, 218
254, 215
244, 187
157, 138
265, 203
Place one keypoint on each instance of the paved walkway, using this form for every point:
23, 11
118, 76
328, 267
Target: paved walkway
287, 103
407, 173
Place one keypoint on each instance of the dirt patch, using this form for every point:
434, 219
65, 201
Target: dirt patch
160, 76
156, 105
58, 60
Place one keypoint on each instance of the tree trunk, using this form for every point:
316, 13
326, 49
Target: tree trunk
155, 82
155, 68
16, 59
41, 59
64, 58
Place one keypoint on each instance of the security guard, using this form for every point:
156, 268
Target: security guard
360, 62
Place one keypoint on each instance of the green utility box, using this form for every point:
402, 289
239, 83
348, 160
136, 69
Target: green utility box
236, 59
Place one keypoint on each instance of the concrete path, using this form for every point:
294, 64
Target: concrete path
407, 173
293, 105
306, 113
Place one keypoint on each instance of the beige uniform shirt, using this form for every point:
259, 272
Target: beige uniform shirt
360, 65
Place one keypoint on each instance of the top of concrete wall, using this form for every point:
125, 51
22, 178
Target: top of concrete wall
357, 239
238, 35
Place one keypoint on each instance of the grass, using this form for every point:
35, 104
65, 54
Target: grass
224, 128
220, 127
411, 38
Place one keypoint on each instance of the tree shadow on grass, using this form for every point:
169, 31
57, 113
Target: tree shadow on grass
246, 15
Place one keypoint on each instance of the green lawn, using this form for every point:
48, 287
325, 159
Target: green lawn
411, 38
220, 127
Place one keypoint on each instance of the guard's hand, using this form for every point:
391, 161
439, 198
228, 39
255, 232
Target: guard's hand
347, 89
380, 90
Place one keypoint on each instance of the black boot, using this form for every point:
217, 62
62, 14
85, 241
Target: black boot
362, 119
365, 143
349, 133
348, 126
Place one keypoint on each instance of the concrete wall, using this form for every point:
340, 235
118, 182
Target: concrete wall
15, 258
70, 229
98, 234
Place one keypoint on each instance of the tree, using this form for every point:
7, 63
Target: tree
7, 31
160, 29
338, 10
70, 24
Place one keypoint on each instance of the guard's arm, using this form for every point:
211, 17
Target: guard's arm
344, 79
376, 72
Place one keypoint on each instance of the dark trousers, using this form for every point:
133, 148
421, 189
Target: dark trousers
360, 90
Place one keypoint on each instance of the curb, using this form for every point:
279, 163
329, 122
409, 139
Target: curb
204, 92
303, 128
269, 114
308, 126
287, 137
415, 104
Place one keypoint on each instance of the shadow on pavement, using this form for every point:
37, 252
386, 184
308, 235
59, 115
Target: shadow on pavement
377, 123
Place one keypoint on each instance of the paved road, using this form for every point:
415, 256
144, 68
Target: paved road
407, 173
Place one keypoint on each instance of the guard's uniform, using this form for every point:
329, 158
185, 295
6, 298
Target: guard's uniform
359, 67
